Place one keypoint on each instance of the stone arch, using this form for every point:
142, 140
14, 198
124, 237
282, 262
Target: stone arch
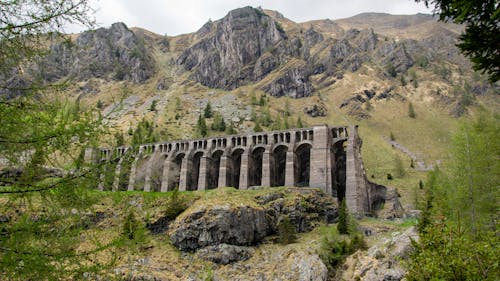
235, 167
339, 169
194, 171
157, 172
278, 167
213, 169
255, 166
140, 172
301, 164
175, 171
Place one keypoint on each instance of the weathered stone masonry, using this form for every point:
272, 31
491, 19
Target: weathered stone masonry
325, 157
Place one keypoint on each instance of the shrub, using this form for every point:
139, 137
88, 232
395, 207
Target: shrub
286, 232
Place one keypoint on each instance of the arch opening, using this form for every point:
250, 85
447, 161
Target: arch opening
278, 166
235, 168
157, 173
194, 172
213, 170
175, 172
255, 167
302, 165
339, 170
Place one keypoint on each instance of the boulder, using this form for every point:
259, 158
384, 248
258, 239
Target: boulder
383, 260
224, 253
212, 225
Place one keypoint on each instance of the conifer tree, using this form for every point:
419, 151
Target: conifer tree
207, 113
343, 224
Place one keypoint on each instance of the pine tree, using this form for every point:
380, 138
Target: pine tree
230, 130
343, 224
257, 127
201, 126
286, 231
299, 122
411, 111
207, 113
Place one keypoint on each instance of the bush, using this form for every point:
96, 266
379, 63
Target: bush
286, 232
334, 248
448, 253
175, 206
342, 225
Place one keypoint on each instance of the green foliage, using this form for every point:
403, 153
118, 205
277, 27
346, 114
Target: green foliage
300, 124
265, 118
219, 124
391, 70
144, 133
119, 139
403, 80
230, 130
399, 167
176, 205
480, 39
334, 247
152, 107
257, 128
99, 104
201, 126
458, 228
423, 61
253, 99
411, 111
446, 253
207, 112
392, 137
262, 100
343, 224
286, 231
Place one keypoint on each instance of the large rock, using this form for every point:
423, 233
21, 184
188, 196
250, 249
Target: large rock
207, 226
248, 223
224, 253
383, 260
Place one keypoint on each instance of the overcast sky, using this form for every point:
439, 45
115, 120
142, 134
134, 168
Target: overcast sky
173, 17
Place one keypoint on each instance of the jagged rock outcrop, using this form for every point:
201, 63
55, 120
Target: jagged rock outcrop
224, 253
293, 83
382, 261
109, 53
213, 225
226, 58
247, 224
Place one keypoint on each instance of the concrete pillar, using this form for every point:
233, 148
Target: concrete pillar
185, 165
116, 179
149, 171
356, 195
165, 174
320, 174
244, 170
91, 155
133, 168
102, 178
203, 173
289, 169
223, 171
266, 168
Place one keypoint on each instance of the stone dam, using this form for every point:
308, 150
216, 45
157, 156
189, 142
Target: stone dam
325, 157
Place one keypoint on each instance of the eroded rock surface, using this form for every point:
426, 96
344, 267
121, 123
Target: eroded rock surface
383, 260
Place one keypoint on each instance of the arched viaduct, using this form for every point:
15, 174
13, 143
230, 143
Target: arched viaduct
322, 156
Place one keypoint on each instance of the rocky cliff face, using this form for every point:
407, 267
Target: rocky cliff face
226, 55
110, 53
